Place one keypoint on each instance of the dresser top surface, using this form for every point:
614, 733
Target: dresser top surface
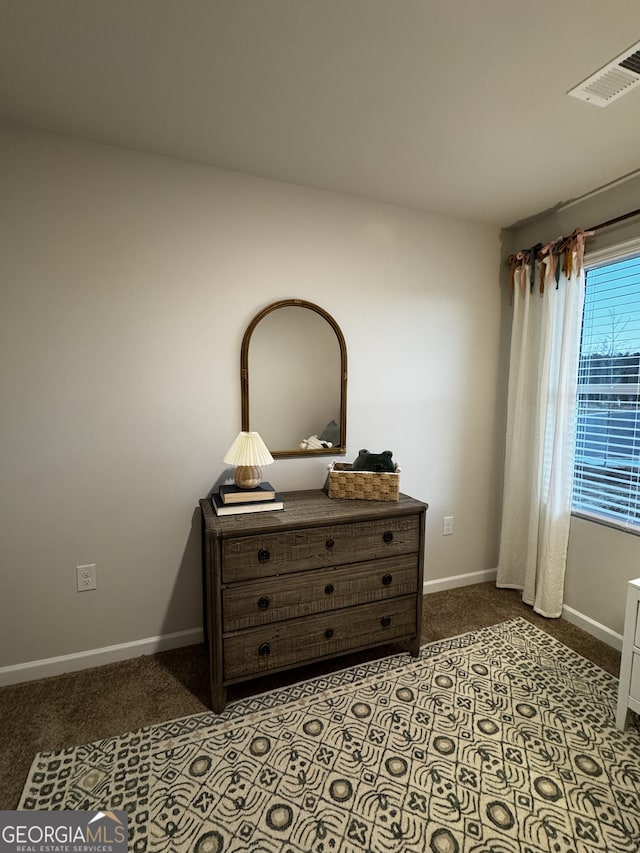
309, 508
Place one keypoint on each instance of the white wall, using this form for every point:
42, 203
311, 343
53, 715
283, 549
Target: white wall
601, 560
127, 283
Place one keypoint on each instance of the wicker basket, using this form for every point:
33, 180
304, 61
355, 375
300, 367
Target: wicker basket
363, 485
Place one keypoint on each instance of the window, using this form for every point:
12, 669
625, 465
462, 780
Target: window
607, 467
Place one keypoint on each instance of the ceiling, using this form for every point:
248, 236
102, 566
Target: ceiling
452, 106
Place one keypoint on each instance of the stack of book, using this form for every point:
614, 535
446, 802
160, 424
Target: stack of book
231, 500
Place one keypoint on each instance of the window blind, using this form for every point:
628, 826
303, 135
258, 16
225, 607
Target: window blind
607, 464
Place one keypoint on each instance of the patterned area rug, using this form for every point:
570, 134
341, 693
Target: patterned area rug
496, 741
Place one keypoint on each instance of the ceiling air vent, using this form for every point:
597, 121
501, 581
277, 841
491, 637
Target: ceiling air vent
613, 80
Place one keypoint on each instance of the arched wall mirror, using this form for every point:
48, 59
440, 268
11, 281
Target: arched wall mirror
293, 376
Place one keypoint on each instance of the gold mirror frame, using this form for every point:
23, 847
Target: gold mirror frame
244, 378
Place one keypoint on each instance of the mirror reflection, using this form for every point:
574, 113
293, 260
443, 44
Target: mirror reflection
294, 380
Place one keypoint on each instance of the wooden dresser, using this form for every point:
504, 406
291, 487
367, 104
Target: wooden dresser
317, 579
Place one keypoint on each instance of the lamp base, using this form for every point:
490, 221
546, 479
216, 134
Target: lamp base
248, 476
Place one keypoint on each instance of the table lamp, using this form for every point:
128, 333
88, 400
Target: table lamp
248, 452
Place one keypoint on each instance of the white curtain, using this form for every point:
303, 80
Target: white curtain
548, 296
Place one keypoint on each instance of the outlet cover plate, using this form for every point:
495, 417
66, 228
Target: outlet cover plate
86, 577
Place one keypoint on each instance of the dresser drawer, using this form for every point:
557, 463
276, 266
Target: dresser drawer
298, 640
634, 689
245, 605
251, 557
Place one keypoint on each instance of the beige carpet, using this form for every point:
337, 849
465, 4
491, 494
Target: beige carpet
498, 740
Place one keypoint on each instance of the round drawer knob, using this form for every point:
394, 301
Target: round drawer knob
329, 588
385, 621
263, 555
387, 536
387, 579
329, 633
263, 602
264, 650
329, 544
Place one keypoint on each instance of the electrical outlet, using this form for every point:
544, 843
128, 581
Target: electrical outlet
447, 525
86, 577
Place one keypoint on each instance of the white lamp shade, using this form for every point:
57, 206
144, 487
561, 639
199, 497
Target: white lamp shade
248, 449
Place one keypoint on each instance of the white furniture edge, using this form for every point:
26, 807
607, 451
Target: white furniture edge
626, 702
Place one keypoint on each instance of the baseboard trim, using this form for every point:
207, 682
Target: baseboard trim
596, 629
455, 581
586, 623
32, 670
47, 667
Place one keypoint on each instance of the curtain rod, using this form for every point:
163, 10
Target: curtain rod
615, 221
622, 218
